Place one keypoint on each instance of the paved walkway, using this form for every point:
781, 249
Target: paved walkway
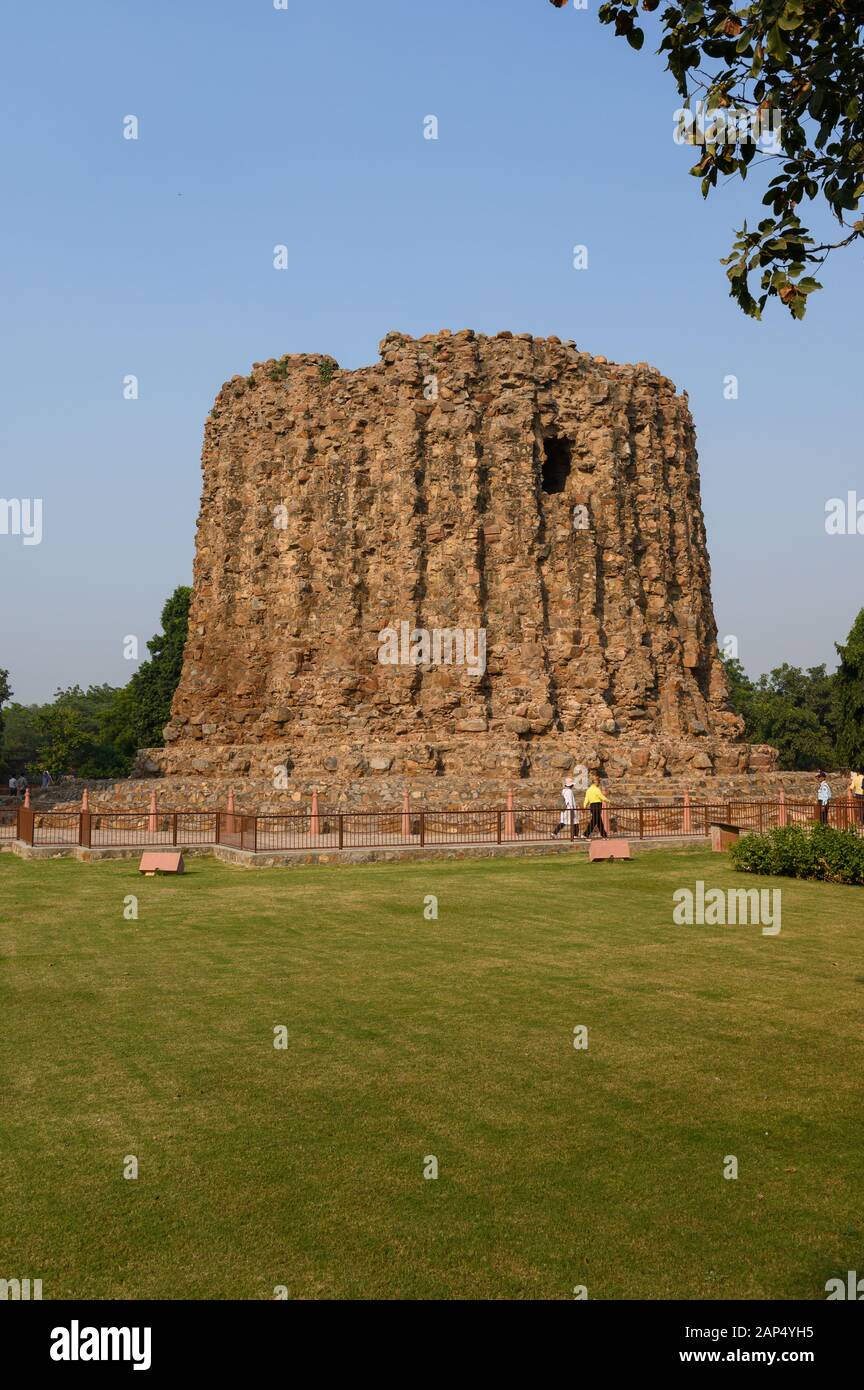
322, 852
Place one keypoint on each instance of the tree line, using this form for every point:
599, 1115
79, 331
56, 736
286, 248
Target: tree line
97, 732
814, 718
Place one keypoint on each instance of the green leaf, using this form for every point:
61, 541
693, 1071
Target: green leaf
777, 45
636, 38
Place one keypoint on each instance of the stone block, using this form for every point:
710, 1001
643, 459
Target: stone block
608, 849
161, 862
723, 835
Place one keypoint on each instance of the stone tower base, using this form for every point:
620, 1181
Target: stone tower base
462, 770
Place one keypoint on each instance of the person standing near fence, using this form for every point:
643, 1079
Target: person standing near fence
823, 796
594, 800
856, 787
568, 815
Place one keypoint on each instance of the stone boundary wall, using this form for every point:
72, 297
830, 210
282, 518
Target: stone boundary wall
253, 795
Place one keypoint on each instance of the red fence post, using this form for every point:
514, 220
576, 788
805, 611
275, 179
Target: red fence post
84, 830
498, 837
255, 834
174, 829
422, 828
341, 831
26, 825
641, 822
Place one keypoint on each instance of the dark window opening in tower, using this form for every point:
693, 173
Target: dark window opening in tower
556, 464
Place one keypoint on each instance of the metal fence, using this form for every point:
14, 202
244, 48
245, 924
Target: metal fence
325, 829
53, 828
8, 823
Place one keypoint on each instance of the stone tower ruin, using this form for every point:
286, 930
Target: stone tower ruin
364, 534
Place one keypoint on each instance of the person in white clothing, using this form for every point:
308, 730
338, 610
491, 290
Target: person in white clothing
823, 796
568, 815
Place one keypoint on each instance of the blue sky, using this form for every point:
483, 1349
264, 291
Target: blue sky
304, 126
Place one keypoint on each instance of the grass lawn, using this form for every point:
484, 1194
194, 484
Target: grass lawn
409, 1037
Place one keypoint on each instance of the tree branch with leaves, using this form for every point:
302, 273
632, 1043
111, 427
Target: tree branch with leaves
801, 61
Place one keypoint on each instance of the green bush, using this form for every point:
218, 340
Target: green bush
279, 372
797, 851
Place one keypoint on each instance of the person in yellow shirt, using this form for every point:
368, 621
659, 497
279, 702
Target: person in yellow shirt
594, 799
856, 787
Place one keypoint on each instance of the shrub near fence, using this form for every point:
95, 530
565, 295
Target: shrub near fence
797, 851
